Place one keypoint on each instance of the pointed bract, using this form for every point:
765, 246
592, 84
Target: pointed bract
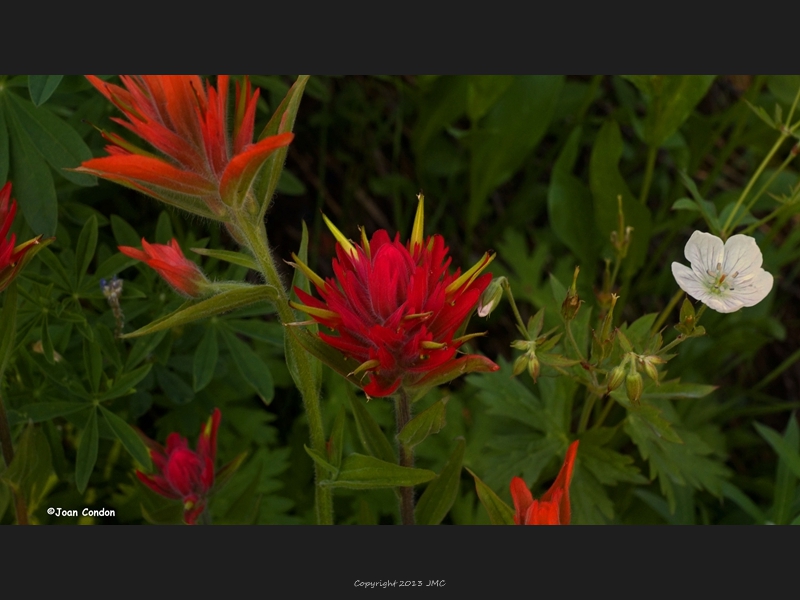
396, 309
553, 507
12, 258
168, 260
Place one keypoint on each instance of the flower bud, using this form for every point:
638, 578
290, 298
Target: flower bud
634, 386
491, 297
571, 304
520, 364
533, 367
615, 378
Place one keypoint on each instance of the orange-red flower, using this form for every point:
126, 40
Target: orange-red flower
205, 167
168, 260
184, 474
553, 507
396, 308
11, 257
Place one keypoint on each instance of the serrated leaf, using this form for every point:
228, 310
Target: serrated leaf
361, 472
217, 304
205, 359
129, 438
429, 421
500, 513
41, 87
370, 433
87, 453
438, 498
250, 365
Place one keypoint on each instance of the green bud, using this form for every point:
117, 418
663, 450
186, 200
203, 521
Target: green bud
571, 304
634, 386
520, 364
533, 367
491, 297
615, 378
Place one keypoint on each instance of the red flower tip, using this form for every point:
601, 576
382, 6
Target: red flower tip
168, 260
396, 308
553, 507
185, 474
187, 122
11, 257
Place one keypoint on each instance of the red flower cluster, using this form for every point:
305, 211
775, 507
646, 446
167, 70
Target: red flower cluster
185, 474
553, 507
206, 166
11, 257
168, 260
397, 309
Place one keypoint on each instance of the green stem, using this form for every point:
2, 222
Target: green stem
572, 340
255, 234
604, 415
793, 358
520, 323
403, 416
587, 410
665, 313
652, 154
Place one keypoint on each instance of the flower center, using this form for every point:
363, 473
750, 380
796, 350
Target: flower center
722, 282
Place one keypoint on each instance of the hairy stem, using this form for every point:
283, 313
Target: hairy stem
255, 234
402, 416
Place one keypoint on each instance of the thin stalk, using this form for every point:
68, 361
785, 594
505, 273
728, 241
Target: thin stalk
402, 407
587, 410
515, 310
255, 234
793, 358
652, 154
665, 313
604, 415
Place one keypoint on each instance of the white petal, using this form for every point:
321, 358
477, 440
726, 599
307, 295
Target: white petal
689, 281
742, 255
755, 290
704, 251
726, 302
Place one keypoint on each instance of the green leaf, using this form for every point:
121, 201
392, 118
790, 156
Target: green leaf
8, 326
438, 498
236, 258
87, 453
441, 105
164, 228
143, 348
370, 433
44, 411
41, 87
785, 477
87, 242
429, 421
124, 234
30, 472
129, 438
337, 438
361, 472
320, 460
57, 142
511, 129
675, 389
733, 493
250, 365
483, 92
125, 383
607, 184
500, 513
47, 343
174, 387
300, 281
93, 361
4, 153
205, 359
328, 355
567, 196
219, 303
33, 183
281, 122
783, 446
706, 208
672, 99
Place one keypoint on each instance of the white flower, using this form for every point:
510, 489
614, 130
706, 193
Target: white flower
725, 278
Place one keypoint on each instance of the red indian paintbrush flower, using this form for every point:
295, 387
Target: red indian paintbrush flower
205, 167
168, 260
185, 474
396, 308
553, 507
12, 258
